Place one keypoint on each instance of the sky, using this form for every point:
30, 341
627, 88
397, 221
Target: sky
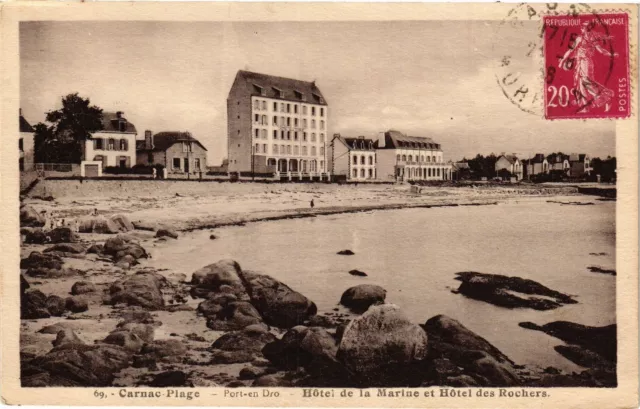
425, 78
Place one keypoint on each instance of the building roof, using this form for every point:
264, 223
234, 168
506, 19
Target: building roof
461, 165
360, 143
558, 158
164, 140
538, 158
574, 157
397, 140
511, 158
272, 86
24, 125
110, 122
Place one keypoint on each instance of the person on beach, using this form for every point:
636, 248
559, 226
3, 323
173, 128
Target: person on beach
312, 203
47, 220
95, 212
155, 173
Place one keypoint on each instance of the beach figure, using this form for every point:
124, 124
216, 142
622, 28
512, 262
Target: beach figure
76, 226
47, 220
586, 87
95, 212
155, 173
312, 204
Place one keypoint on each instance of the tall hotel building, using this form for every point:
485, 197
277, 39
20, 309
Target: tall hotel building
277, 125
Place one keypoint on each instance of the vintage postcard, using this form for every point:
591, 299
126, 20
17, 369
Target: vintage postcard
319, 204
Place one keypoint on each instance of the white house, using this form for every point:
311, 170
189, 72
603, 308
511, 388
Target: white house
354, 158
27, 161
510, 163
114, 145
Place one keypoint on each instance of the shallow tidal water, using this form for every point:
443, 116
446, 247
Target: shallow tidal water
415, 253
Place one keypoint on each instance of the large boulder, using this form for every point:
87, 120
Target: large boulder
61, 235
33, 305
40, 260
126, 339
278, 304
78, 365
143, 289
35, 236
383, 348
241, 346
450, 341
83, 287
98, 224
74, 248
166, 350
121, 246
510, 292
66, 336
30, 217
77, 303
312, 348
166, 232
122, 222
56, 306
225, 272
361, 297
234, 316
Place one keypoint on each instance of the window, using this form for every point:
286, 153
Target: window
21, 144
256, 118
282, 150
265, 121
256, 104
257, 134
313, 151
123, 125
404, 158
304, 136
362, 173
304, 151
295, 122
370, 160
275, 120
288, 149
313, 137
428, 159
321, 165
397, 157
370, 173
295, 109
281, 107
98, 144
321, 111
288, 135
295, 136
355, 173
112, 145
257, 149
275, 107
275, 149
176, 163
429, 172
196, 163
322, 151
304, 123
433, 159
321, 137
264, 105
422, 158
288, 121
321, 124
282, 122
313, 111
295, 150
304, 110
355, 160
313, 123
438, 172
264, 148
288, 108
264, 134
362, 160
275, 134
281, 134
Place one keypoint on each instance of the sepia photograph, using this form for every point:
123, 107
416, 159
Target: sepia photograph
322, 204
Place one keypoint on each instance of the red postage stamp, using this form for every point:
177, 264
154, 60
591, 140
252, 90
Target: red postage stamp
586, 66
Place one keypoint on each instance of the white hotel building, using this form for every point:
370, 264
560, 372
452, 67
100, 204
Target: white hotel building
277, 125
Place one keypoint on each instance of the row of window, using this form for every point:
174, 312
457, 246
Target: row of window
287, 149
363, 160
293, 165
420, 172
409, 158
287, 135
177, 164
364, 173
110, 144
286, 121
288, 108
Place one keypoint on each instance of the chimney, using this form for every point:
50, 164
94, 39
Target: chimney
381, 140
148, 140
119, 114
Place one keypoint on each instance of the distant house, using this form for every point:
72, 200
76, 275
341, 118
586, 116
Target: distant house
511, 164
535, 166
580, 165
354, 158
559, 162
114, 145
25, 144
178, 152
460, 171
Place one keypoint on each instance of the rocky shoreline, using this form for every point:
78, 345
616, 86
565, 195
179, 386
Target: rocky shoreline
94, 315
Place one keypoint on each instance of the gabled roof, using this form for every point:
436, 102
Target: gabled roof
358, 143
164, 140
558, 158
461, 165
511, 158
110, 123
25, 126
397, 140
272, 86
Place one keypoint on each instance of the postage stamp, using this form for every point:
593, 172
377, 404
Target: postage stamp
586, 66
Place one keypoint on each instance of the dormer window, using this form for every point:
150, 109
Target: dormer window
318, 98
122, 125
260, 90
279, 92
300, 95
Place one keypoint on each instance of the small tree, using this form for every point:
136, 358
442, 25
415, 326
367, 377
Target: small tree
71, 126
